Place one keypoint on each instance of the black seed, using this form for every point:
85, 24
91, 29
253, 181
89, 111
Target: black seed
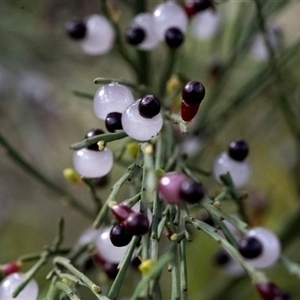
76, 29
149, 107
113, 121
119, 237
221, 258
174, 37
193, 92
135, 35
238, 150
136, 224
91, 133
250, 247
191, 191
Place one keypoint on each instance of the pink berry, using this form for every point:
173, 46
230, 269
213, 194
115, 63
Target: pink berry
169, 186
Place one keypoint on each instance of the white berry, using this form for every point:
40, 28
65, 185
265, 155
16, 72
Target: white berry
239, 171
93, 164
145, 21
205, 24
112, 97
10, 283
168, 15
138, 127
100, 36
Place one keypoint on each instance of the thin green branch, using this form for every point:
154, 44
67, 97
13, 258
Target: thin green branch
106, 137
40, 177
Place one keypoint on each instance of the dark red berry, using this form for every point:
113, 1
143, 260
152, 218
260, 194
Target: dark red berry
76, 29
91, 133
111, 270
250, 247
98, 259
267, 290
221, 258
149, 107
121, 212
137, 224
174, 37
10, 267
119, 237
188, 112
238, 150
113, 121
135, 35
191, 191
193, 93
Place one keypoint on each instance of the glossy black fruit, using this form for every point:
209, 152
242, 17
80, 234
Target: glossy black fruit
174, 37
119, 237
76, 29
191, 191
193, 93
238, 150
149, 107
250, 247
91, 133
135, 35
113, 121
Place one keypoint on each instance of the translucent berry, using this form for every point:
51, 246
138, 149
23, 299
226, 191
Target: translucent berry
267, 290
88, 236
250, 247
91, 133
188, 112
145, 21
10, 283
76, 29
167, 15
113, 121
149, 107
271, 248
136, 224
111, 97
135, 35
239, 171
106, 250
100, 36
119, 236
121, 212
93, 164
205, 24
191, 191
174, 37
169, 187
139, 127
193, 93
238, 150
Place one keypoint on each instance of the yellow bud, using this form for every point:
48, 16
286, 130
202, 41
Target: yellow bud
146, 265
173, 84
132, 149
160, 173
71, 175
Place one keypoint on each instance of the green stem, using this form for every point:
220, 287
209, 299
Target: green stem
69, 292
112, 197
106, 137
123, 266
32, 171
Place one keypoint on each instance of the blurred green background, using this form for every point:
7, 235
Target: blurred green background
40, 117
